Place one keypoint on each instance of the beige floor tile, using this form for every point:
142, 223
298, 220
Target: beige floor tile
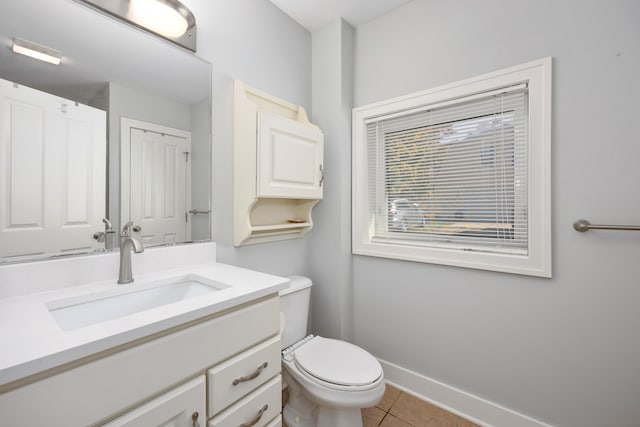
371, 417
391, 421
390, 395
405, 410
452, 420
415, 411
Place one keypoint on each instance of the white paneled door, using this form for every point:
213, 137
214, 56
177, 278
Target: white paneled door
159, 172
52, 173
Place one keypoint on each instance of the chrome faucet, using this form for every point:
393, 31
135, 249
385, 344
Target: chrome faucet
128, 242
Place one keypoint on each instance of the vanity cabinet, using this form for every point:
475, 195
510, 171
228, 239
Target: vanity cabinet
165, 378
278, 168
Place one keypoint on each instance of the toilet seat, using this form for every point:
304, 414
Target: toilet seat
337, 362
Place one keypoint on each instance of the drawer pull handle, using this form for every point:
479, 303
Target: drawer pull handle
252, 376
194, 417
257, 418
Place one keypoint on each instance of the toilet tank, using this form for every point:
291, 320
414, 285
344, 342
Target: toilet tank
294, 307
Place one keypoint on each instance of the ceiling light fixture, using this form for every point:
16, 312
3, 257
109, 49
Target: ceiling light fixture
158, 16
37, 51
170, 19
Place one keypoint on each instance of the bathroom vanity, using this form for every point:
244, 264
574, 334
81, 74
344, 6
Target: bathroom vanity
201, 357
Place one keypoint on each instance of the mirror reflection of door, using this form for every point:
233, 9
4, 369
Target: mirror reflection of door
52, 180
159, 183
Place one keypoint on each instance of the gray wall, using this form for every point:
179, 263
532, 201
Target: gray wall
565, 350
330, 239
257, 43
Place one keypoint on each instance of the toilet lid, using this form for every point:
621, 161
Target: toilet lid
338, 362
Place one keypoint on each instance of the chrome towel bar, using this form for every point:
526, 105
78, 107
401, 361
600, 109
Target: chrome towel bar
583, 225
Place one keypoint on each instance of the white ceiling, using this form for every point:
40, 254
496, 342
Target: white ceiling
315, 14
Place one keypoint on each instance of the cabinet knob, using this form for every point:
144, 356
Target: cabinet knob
194, 417
252, 376
257, 418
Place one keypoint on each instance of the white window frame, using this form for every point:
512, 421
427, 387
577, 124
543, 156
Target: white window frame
537, 261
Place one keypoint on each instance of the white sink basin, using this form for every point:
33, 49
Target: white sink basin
85, 310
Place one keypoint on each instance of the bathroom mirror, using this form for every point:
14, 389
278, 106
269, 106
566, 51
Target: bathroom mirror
140, 83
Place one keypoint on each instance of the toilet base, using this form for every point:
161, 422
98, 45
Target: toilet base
300, 411
345, 417
321, 417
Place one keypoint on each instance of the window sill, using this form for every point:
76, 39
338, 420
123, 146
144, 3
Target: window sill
525, 264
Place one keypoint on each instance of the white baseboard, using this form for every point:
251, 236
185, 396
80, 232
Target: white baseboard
466, 405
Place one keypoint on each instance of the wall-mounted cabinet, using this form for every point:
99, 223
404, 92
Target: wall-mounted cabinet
278, 168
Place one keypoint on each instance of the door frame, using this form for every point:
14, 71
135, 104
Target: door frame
126, 124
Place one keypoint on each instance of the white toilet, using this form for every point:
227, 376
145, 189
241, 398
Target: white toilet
329, 380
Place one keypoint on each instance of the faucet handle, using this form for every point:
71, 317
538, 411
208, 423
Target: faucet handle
107, 225
126, 229
129, 227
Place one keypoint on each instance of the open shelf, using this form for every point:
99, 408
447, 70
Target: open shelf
276, 227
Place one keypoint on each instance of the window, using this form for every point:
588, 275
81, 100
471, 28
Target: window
458, 175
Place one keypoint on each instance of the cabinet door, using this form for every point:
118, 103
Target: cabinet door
176, 408
290, 158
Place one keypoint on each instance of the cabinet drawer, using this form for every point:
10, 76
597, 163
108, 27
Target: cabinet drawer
238, 376
276, 422
257, 409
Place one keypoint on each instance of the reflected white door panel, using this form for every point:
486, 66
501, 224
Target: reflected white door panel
159, 173
53, 172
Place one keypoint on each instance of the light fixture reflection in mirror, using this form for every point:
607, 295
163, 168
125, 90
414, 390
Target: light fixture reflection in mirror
36, 51
170, 19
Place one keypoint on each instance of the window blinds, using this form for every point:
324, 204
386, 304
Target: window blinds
452, 174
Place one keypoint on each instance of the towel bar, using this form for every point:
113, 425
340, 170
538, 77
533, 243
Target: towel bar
583, 225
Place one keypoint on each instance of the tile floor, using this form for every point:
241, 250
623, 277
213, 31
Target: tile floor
400, 409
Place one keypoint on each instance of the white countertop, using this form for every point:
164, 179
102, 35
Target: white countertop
32, 341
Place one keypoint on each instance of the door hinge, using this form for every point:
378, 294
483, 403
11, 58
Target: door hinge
186, 155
